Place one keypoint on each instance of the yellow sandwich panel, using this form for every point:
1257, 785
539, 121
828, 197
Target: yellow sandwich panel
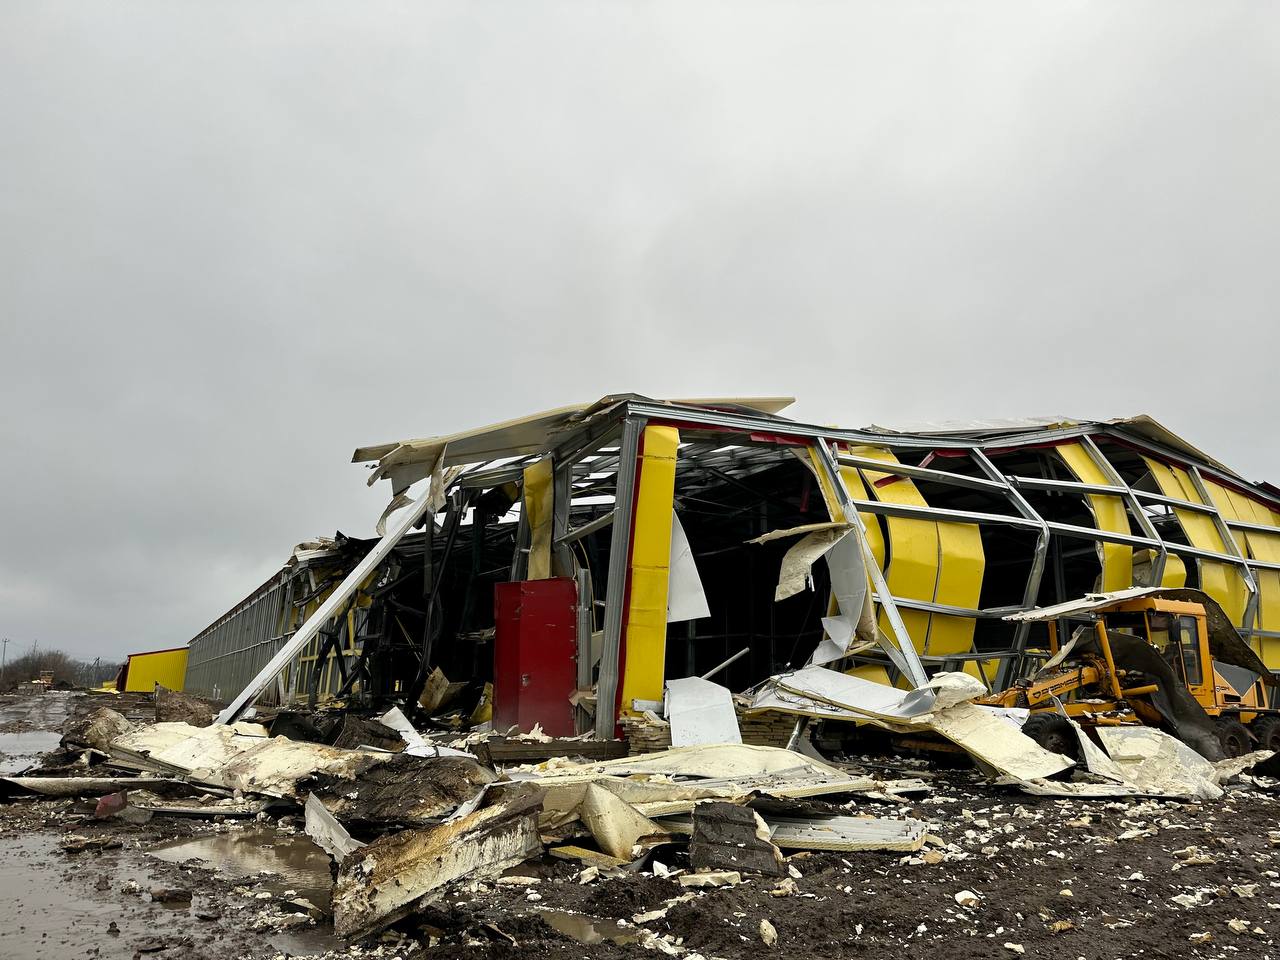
645, 633
927, 560
538, 506
857, 489
1222, 581
1108, 514
165, 667
1259, 546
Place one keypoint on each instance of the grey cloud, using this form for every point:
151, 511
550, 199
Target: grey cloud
239, 239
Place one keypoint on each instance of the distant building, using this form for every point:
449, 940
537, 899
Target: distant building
142, 671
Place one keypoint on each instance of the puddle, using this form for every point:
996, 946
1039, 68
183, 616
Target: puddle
587, 929
51, 909
20, 750
293, 862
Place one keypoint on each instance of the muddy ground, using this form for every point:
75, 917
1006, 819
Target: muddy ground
1037, 877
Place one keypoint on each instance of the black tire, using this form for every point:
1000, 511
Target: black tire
1233, 736
1055, 733
1267, 730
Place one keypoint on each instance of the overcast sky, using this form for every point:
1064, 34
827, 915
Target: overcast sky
239, 239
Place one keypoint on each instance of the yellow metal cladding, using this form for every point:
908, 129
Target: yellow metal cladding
1108, 514
165, 667
646, 623
939, 562
858, 490
538, 505
1259, 546
1222, 581
1175, 571
834, 510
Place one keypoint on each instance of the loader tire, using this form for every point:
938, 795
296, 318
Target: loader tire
1233, 736
1267, 730
1054, 733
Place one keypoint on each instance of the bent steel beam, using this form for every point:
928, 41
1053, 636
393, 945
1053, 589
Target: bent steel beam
901, 650
325, 612
616, 583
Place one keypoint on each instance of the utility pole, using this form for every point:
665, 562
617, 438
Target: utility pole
4, 656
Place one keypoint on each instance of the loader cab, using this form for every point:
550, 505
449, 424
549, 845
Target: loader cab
1180, 632
1176, 636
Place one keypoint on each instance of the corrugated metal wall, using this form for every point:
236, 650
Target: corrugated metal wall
228, 654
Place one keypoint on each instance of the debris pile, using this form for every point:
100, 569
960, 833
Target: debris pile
407, 826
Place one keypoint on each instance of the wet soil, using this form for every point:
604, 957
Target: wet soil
29, 728
1038, 877
289, 866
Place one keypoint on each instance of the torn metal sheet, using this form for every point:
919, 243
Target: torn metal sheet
85, 786
796, 574
327, 832
275, 766
847, 833
1152, 761
616, 825
181, 748
416, 745
849, 587
1095, 759
835, 833
717, 761
829, 526
942, 707
564, 795
664, 784
686, 599
993, 741
817, 691
701, 712
401, 872
1144, 761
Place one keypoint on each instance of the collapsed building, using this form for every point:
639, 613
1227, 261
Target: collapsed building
561, 568
512, 686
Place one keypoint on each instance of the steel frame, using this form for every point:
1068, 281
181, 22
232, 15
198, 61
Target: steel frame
586, 453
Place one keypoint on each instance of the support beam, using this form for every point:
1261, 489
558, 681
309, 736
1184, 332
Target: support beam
1032, 588
1135, 508
901, 650
326, 611
577, 533
616, 588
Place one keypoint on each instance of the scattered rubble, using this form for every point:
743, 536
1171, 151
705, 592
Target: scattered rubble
425, 850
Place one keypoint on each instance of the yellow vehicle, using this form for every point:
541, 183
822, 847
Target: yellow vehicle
1165, 658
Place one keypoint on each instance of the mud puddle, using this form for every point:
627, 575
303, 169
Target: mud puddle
59, 907
587, 929
277, 862
21, 750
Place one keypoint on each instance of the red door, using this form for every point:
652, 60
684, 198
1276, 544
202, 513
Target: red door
535, 655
